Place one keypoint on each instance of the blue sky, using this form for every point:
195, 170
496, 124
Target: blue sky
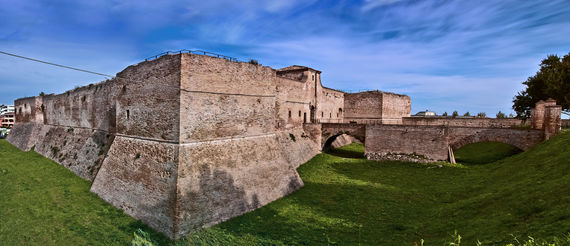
447, 55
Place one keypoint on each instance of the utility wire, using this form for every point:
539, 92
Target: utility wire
57, 65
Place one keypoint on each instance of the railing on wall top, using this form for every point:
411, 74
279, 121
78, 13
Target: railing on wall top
198, 52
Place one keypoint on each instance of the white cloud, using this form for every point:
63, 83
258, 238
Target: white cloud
372, 4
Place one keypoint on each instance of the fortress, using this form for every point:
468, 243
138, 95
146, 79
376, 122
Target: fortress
186, 141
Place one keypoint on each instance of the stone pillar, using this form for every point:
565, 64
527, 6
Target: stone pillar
552, 121
537, 115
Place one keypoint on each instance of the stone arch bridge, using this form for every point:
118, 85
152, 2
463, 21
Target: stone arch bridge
437, 141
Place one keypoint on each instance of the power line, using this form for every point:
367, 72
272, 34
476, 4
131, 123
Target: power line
57, 65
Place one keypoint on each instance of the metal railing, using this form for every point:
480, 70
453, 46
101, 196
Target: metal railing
197, 52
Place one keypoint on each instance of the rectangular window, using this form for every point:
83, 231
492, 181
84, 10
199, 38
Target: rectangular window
299, 113
289, 113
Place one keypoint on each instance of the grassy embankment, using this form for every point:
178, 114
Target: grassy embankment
346, 200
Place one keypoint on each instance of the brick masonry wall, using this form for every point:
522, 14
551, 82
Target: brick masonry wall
149, 102
433, 141
429, 141
461, 122
362, 106
372, 107
330, 106
295, 97
222, 99
29, 110
89, 107
522, 139
395, 107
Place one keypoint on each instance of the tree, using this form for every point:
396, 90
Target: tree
500, 115
444, 114
482, 115
454, 114
551, 81
467, 114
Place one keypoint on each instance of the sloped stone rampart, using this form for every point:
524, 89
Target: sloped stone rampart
181, 142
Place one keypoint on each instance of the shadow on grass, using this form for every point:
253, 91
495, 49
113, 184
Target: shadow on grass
334, 214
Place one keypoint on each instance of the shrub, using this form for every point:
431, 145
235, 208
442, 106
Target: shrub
292, 137
254, 62
141, 238
500, 115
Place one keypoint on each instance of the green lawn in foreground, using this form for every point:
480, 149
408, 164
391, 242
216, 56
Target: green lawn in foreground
43, 203
345, 201
484, 152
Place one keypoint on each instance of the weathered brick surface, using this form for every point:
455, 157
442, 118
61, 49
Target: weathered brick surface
140, 177
180, 142
461, 122
378, 107
330, 106
433, 141
29, 110
429, 141
250, 172
149, 99
522, 139
293, 102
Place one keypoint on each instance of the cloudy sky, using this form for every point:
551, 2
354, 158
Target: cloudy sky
447, 55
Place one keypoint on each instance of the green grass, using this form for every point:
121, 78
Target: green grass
43, 203
345, 201
484, 152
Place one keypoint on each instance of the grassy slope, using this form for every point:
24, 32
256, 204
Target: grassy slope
351, 201
43, 203
345, 201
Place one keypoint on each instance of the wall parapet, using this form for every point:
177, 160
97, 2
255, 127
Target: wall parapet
462, 122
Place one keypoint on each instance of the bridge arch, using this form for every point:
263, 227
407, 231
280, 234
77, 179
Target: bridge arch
522, 139
327, 146
330, 131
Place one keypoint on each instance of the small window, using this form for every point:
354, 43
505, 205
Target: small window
340, 110
322, 114
313, 77
330, 115
299, 113
128, 114
337, 115
289, 113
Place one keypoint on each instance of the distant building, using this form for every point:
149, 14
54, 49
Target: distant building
7, 119
426, 113
6, 108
